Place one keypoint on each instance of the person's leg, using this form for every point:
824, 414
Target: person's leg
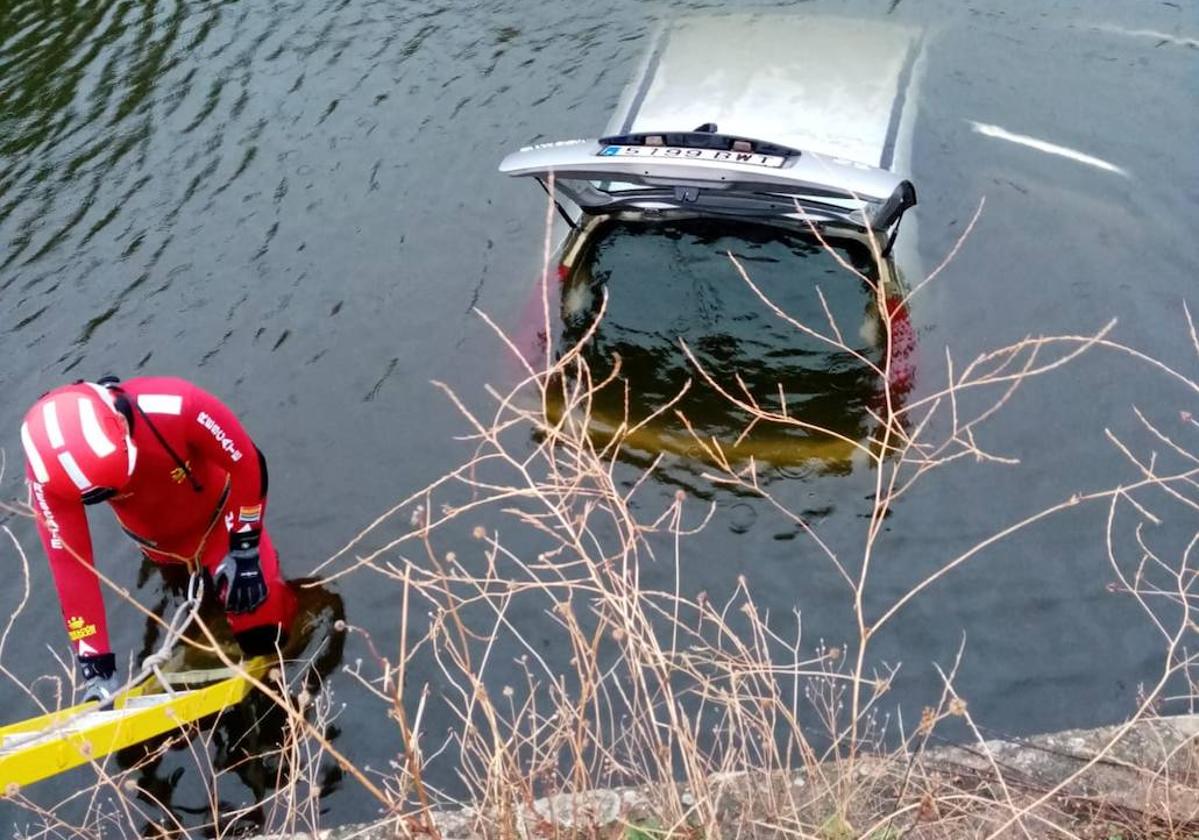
266, 628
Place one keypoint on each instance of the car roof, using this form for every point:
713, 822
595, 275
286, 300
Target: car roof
829, 85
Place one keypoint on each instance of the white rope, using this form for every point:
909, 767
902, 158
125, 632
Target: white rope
185, 614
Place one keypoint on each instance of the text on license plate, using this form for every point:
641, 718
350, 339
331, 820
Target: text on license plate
702, 155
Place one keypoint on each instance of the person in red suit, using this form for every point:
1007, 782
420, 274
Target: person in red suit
186, 483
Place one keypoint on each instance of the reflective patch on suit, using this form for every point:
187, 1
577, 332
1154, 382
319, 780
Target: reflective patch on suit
160, 403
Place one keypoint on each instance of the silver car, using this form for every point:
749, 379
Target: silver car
778, 140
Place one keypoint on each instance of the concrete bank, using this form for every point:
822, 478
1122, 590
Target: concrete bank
1111, 782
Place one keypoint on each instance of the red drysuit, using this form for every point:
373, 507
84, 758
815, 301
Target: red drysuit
173, 518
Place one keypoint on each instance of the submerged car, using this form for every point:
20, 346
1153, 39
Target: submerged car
778, 140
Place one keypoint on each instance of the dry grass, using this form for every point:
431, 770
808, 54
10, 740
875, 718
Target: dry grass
727, 725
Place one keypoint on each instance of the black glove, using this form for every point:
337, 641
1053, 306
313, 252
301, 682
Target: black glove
100, 681
239, 581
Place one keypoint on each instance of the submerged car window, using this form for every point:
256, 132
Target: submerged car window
668, 282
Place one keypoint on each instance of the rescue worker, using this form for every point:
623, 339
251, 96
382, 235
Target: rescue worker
185, 482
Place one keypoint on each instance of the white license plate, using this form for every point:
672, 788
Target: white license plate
698, 155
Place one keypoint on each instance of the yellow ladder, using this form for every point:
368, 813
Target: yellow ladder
50, 744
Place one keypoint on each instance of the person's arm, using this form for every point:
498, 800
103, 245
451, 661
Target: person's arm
219, 436
62, 526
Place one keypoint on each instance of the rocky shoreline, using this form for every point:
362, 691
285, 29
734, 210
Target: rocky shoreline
1135, 780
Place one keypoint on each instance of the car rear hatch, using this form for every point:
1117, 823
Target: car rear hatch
795, 116
706, 172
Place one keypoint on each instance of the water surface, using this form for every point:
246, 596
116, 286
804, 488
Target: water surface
295, 203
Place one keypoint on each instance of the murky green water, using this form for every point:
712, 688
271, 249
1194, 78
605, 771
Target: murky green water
295, 203
673, 286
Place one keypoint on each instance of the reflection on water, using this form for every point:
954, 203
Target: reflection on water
674, 284
250, 748
78, 86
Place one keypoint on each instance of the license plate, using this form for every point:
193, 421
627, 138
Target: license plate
697, 155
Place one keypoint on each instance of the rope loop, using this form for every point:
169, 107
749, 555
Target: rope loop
185, 614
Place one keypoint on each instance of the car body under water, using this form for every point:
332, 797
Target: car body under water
779, 140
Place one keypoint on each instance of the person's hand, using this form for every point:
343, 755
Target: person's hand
239, 580
100, 683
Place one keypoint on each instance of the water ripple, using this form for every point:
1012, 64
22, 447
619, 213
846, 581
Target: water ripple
249, 187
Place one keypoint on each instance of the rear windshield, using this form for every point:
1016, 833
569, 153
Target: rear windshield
672, 281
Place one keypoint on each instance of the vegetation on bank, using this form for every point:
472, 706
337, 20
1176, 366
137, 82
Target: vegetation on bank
658, 687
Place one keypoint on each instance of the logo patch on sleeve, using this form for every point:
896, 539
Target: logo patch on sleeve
250, 514
77, 629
